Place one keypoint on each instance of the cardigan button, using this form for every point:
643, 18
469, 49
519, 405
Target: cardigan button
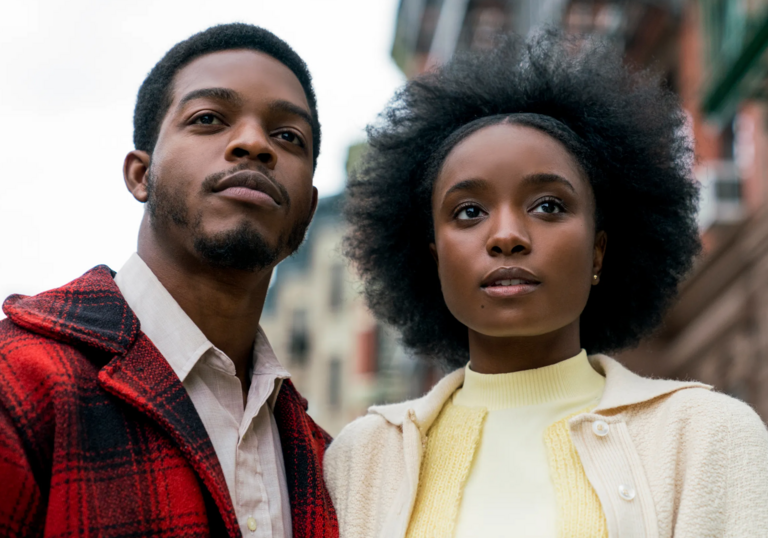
251, 523
626, 492
600, 427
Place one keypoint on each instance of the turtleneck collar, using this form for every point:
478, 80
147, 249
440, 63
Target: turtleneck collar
571, 379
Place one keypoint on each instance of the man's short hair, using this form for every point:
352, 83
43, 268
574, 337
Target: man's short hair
155, 95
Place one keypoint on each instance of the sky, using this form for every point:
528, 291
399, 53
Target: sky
71, 70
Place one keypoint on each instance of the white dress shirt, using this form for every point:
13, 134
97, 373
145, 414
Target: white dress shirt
246, 440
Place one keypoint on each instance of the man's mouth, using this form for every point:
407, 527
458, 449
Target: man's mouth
251, 187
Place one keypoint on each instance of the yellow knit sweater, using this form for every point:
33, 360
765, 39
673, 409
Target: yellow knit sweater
452, 446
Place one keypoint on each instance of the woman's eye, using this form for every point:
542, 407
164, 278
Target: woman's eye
550, 207
207, 119
469, 212
293, 138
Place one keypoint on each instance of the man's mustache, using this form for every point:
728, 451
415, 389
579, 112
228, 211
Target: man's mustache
210, 181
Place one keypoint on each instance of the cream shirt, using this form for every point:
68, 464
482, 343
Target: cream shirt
509, 491
246, 440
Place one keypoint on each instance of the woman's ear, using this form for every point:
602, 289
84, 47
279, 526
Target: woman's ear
433, 251
601, 242
136, 174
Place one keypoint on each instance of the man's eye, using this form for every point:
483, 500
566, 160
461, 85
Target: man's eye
550, 207
469, 212
293, 138
207, 119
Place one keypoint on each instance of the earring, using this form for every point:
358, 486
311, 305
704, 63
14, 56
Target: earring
595, 278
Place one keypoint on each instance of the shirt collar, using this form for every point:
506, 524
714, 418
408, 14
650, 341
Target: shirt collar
172, 331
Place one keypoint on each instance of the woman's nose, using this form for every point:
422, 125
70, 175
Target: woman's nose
509, 236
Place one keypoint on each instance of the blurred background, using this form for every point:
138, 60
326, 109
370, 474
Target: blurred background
710, 52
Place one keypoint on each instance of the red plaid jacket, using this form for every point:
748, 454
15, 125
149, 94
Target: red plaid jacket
98, 437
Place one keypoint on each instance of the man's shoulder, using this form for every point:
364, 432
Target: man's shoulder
25, 353
39, 374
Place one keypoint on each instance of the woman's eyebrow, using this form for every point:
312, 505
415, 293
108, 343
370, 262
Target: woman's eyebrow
543, 179
467, 185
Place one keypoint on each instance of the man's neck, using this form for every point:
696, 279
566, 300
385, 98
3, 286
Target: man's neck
225, 305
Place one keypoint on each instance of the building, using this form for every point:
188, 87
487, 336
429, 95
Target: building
340, 358
718, 331
712, 53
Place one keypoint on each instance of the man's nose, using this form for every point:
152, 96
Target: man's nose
250, 141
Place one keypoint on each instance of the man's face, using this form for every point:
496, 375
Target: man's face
230, 179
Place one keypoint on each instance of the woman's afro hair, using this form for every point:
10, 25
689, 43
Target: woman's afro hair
628, 133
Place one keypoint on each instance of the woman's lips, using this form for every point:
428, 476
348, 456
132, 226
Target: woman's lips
509, 282
510, 288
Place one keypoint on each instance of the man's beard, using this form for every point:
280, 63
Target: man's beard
242, 248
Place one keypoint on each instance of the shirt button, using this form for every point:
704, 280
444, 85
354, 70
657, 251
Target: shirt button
251, 522
600, 427
626, 492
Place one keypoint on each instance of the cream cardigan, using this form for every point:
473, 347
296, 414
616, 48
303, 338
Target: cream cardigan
666, 458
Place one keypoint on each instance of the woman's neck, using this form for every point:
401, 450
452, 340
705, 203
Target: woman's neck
502, 355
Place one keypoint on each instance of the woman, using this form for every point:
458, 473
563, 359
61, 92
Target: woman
517, 210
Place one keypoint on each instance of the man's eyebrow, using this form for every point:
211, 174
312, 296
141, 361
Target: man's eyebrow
220, 94
281, 105
543, 179
467, 185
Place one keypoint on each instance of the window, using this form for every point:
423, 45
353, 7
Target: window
334, 383
336, 288
299, 338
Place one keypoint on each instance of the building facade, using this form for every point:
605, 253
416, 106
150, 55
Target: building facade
340, 358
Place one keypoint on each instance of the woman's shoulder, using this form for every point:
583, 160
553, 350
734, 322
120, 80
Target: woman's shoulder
363, 468
707, 411
363, 437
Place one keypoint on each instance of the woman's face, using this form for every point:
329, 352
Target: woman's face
515, 239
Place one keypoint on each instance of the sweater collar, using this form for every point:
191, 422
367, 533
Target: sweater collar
568, 380
622, 388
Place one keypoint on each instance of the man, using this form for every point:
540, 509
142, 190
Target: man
150, 403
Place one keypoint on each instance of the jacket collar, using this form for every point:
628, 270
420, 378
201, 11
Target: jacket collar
622, 388
88, 310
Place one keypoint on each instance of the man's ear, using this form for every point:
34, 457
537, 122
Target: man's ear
433, 251
136, 173
601, 243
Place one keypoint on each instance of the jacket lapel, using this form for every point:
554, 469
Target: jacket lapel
144, 380
304, 444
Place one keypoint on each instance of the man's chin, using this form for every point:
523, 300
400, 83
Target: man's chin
241, 249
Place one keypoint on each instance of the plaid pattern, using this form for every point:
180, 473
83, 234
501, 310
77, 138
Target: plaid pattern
98, 437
